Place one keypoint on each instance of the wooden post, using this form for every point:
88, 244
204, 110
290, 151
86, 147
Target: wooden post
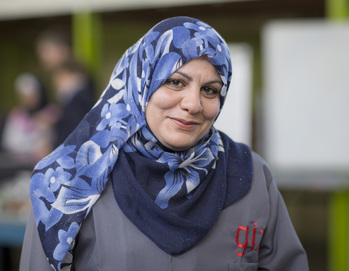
338, 250
337, 9
338, 231
86, 31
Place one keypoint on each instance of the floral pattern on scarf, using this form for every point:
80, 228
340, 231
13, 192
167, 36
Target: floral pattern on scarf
66, 184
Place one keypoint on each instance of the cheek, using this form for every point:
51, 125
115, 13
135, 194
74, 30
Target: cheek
159, 102
162, 100
211, 109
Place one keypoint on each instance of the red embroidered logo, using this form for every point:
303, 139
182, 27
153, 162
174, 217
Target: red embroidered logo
245, 236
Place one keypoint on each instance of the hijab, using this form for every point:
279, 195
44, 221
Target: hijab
113, 142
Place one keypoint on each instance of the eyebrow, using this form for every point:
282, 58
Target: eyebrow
185, 75
191, 79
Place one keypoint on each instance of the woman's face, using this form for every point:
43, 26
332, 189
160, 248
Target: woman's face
184, 108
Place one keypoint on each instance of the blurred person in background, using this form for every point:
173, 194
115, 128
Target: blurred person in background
27, 133
53, 48
71, 84
75, 95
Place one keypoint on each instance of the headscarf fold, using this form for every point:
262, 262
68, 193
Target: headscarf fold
66, 184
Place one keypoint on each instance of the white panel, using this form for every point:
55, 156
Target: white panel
306, 75
235, 119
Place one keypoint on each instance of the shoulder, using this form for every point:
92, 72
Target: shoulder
240, 155
232, 147
17, 113
261, 170
235, 164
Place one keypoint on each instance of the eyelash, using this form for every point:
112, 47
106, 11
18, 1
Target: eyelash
210, 91
177, 83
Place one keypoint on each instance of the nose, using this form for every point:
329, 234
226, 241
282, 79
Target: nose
191, 100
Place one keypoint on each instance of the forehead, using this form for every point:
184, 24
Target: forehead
200, 66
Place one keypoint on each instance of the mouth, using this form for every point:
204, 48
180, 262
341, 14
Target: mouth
185, 124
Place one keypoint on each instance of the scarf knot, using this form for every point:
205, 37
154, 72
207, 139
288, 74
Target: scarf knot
185, 169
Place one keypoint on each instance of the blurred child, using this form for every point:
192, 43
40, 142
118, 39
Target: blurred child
27, 130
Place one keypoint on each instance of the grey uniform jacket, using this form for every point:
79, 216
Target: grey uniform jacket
255, 233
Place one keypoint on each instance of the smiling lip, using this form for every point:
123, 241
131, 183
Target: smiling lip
184, 124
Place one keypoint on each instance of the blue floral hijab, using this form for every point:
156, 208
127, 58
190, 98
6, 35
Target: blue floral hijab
161, 191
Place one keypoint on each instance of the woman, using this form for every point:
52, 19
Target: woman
145, 182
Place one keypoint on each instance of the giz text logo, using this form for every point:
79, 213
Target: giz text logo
243, 235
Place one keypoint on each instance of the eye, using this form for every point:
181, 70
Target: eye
175, 83
210, 92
